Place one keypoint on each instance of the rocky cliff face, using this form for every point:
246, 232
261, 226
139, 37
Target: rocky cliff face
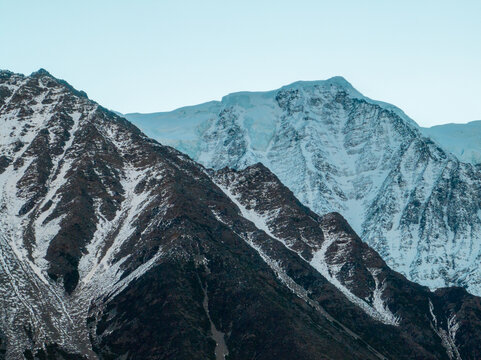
114, 246
409, 199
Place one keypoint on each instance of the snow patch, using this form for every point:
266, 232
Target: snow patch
448, 337
379, 311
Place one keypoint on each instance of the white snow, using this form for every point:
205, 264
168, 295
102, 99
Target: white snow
378, 303
463, 140
448, 336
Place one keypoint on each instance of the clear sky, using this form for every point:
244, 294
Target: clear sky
156, 55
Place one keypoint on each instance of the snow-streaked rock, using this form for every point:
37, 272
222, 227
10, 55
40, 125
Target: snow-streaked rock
113, 246
410, 199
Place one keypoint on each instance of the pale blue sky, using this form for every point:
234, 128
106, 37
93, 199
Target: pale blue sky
147, 56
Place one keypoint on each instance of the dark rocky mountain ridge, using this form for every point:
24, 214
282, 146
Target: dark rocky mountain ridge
114, 246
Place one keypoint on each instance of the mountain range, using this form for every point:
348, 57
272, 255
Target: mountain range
114, 246
408, 197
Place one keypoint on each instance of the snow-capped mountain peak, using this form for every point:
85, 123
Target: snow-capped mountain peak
338, 150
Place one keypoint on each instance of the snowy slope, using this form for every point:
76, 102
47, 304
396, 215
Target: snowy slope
463, 140
337, 150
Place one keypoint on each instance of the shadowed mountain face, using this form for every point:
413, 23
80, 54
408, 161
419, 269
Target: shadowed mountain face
409, 199
116, 247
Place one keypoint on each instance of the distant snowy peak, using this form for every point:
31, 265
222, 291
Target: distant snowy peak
339, 83
333, 84
463, 140
338, 150
259, 113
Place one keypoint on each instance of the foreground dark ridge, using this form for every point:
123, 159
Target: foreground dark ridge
114, 246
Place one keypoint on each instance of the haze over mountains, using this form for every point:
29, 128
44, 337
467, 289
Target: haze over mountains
409, 198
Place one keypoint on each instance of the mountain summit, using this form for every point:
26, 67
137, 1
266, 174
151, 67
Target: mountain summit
410, 199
